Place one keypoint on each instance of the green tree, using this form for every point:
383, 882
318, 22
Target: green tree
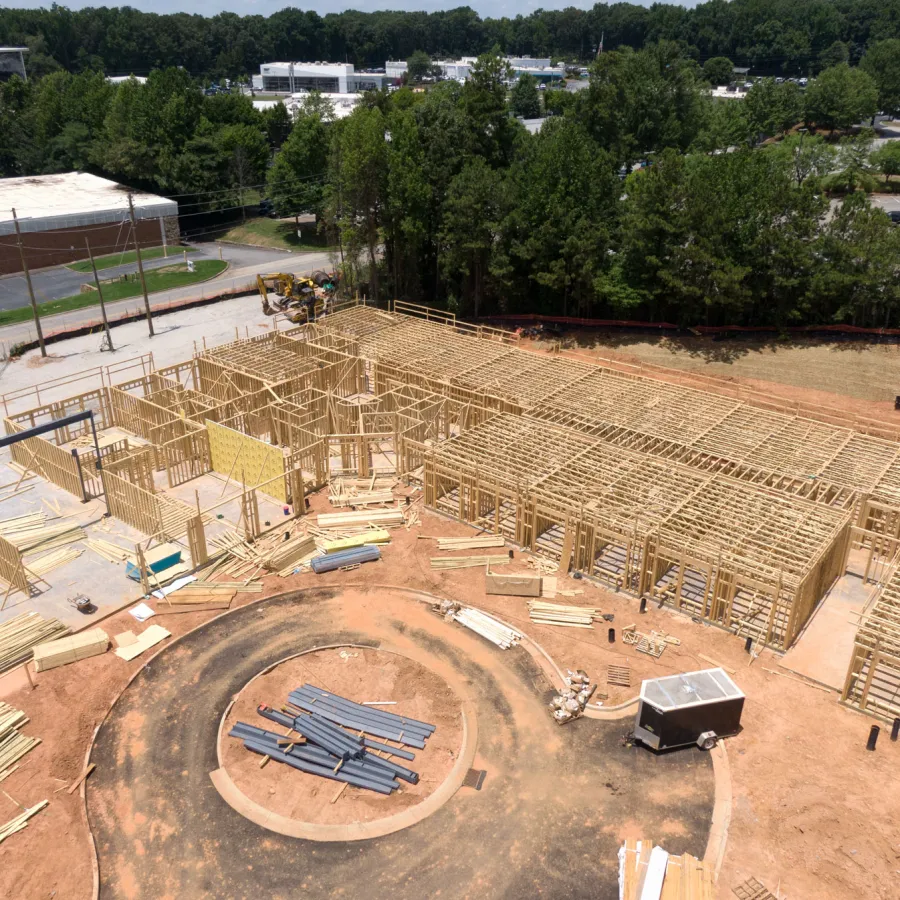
473, 214
277, 123
524, 98
886, 159
247, 152
718, 70
841, 97
882, 62
834, 55
853, 163
418, 66
295, 181
806, 156
356, 190
773, 108
483, 98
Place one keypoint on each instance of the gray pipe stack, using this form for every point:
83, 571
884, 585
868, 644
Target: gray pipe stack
329, 750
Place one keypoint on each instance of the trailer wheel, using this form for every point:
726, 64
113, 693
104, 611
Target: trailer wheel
707, 740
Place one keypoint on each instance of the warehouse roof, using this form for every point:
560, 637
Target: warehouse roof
71, 200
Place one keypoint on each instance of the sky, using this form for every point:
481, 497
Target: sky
485, 8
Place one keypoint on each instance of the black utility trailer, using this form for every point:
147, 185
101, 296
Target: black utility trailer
691, 708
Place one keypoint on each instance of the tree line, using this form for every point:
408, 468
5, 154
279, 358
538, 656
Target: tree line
773, 36
444, 197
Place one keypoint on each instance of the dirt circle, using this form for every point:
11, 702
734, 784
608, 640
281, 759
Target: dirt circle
360, 674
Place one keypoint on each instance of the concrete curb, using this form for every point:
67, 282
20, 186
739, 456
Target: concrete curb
357, 831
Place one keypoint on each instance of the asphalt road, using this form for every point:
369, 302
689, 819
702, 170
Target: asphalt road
60, 281
234, 279
888, 202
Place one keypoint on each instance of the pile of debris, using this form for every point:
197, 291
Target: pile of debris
571, 702
488, 627
653, 644
328, 735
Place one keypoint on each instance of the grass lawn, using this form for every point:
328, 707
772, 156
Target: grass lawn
279, 234
128, 256
163, 279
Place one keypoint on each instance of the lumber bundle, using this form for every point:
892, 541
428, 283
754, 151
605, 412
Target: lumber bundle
488, 627
10, 719
70, 649
53, 560
22, 633
513, 585
372, 536
543, 613
30, 533
20, 821
650, 873
13, 747
467, 562
109, 551
385, 518
289, 552
470, 543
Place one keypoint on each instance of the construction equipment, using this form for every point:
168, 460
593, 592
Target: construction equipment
300, 297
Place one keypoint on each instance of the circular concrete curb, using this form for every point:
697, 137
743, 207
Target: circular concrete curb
718, 837
356, 831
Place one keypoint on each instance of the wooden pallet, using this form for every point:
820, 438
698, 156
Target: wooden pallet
751, 889
620, 675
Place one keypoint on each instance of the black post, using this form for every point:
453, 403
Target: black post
612, 635
895, 731
748, 644
643, 605
873, 737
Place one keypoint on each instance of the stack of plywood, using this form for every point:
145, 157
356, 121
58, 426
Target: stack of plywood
70, 649
650, 873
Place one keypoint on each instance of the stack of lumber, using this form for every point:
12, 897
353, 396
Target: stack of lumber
20, 821
53, 560
200, 595
469, 543
287, 554
13, 744
341, 496
488, 627
649, 873
544, 566
70, 649
109, 551
383, 518
22, 633
372, 536
518, 585
467, 562
30, 533
565, 616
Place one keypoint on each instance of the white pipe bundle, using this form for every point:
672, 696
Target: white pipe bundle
488, 627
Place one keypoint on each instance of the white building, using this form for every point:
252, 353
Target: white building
329, 78
461, 69
12, 62
343, 104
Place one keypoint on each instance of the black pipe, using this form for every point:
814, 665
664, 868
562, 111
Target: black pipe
895, 730
410, 740
612, 635
396, 769
748, 644
873, 737
396, 751
319, 705
643, 605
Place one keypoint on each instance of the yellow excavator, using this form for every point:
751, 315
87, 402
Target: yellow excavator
298, 297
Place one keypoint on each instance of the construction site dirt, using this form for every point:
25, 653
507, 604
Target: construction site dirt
809, 812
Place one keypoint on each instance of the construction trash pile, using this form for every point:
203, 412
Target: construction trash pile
571, 702
333, 737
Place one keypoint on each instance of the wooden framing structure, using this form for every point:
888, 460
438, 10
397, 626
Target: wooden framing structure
872, 684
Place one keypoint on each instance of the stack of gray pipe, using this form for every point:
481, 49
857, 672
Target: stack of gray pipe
332, 752
358, 717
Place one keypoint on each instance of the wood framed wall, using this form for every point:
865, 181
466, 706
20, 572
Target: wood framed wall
247, 460
12, 570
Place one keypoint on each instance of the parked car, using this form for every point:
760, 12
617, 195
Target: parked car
894, 216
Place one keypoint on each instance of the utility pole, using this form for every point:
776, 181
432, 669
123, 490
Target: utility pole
140, 263
100, 295
34, 309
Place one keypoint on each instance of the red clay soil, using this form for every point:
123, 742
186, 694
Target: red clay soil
360, 675
876, 409
812, 811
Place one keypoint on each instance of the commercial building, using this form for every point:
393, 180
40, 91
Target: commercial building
460, 69
329, 78
343, 104
57, 213
12, 62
